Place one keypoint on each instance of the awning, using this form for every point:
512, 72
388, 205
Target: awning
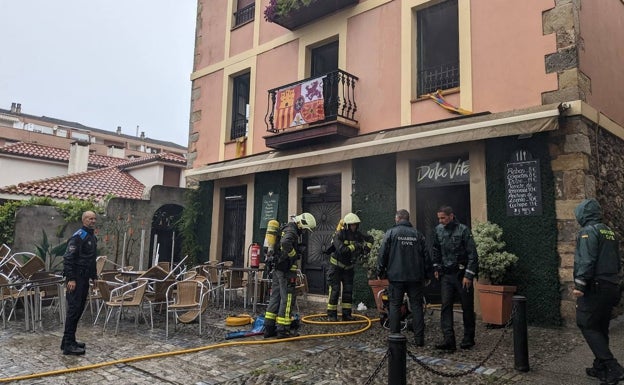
520, 122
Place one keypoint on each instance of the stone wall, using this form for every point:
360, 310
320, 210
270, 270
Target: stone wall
587, 164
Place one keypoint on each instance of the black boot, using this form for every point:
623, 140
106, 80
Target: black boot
73, 349
448, 344
613, 373
286, 332
467, 343
269, 329
346, 315
332, 315
81, 345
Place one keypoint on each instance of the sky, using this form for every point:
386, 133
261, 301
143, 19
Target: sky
101, 63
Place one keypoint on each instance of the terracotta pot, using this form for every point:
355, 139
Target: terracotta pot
496, 303
376, 286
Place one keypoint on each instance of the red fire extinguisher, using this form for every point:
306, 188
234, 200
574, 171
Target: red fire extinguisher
254, 256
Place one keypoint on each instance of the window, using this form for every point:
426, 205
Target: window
324, 60
245, 10
240, 106
438, 47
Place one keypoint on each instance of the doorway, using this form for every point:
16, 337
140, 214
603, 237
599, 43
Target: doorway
166, 240
428, 201
321, 198
234, 215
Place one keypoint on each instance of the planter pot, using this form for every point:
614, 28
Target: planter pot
306, 14
377, 285
496, 303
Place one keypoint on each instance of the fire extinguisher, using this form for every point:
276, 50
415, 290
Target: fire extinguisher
254, 256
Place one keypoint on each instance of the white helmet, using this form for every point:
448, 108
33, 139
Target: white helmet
351, 219
305, 221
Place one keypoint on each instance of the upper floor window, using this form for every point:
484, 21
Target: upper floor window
245, 10
240, 106
438, 47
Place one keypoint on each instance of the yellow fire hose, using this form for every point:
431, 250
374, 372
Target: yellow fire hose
306, 319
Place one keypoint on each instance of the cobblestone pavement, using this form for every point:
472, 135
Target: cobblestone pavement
325, 359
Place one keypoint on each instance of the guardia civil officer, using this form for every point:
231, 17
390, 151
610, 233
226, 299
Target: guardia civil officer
404, 259
596, 288
278, 316
456, 264
78, 268
348, 245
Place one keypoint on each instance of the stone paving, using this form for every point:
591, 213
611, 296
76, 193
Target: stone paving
211, 360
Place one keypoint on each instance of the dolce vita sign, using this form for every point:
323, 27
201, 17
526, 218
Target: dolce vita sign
442, 173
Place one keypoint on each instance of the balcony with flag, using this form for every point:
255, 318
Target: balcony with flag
312, 111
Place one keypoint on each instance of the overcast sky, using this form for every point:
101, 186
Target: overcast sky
102, 63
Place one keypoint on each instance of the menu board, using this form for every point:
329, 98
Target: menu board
523, 188
269, 209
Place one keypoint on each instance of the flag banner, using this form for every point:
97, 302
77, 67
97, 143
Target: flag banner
299, 104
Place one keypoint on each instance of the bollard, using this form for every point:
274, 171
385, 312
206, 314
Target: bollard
520, 334
397, 359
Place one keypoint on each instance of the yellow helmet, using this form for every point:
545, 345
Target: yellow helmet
351, 219
306, 221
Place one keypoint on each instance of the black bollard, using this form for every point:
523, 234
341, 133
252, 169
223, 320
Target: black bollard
397, 359
520, 334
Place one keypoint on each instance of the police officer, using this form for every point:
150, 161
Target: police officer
348, 245
456, 264
596, 288
78, 268
404, 259
277, 318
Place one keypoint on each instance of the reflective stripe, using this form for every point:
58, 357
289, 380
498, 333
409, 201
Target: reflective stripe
332, 307
341, 265
270, 316
580, 282
346, 305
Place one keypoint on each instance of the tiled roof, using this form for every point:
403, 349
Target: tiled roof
162, 157
52, 153
95, 184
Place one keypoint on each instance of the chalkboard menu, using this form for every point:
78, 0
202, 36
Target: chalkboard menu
523, 188
269, 209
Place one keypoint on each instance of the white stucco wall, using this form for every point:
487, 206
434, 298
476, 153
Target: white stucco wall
149, 175
16, 171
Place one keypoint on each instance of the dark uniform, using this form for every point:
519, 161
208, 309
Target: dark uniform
78, 266
283, 297
596, 268
404, 259
455, 258
348, 247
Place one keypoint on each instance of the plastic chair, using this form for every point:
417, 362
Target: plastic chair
184, 296
132, 296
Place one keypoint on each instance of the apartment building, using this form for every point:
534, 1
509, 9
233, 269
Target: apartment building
509, 111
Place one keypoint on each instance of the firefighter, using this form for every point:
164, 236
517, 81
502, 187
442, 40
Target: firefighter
348, 245
278, 316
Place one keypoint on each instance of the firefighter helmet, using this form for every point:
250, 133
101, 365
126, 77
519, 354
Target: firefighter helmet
351, 219
305, 221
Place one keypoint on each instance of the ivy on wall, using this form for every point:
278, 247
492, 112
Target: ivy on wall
374, 201
196, 223
532, 238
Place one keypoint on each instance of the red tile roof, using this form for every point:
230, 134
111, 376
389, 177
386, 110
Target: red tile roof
96, 184
166, 157
61, 154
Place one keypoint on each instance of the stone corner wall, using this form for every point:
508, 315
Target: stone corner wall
586, 163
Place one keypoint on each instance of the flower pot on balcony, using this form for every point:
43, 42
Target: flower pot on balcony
496, 303
305, 14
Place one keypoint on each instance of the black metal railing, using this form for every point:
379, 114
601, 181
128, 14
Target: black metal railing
239, 128
438, 78
244, 15
338, 98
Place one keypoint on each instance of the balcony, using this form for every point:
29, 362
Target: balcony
297, 17
312, 111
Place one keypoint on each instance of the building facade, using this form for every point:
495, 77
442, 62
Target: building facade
506, 110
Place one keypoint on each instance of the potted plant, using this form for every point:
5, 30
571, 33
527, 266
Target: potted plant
292, 14
370, 264
495, 296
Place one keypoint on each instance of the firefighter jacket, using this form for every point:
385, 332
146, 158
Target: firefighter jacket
289, 248
454, 249
403, 255
79, 258
349, 246
597, 256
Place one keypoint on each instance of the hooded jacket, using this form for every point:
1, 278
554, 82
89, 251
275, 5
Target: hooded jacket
597, 256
